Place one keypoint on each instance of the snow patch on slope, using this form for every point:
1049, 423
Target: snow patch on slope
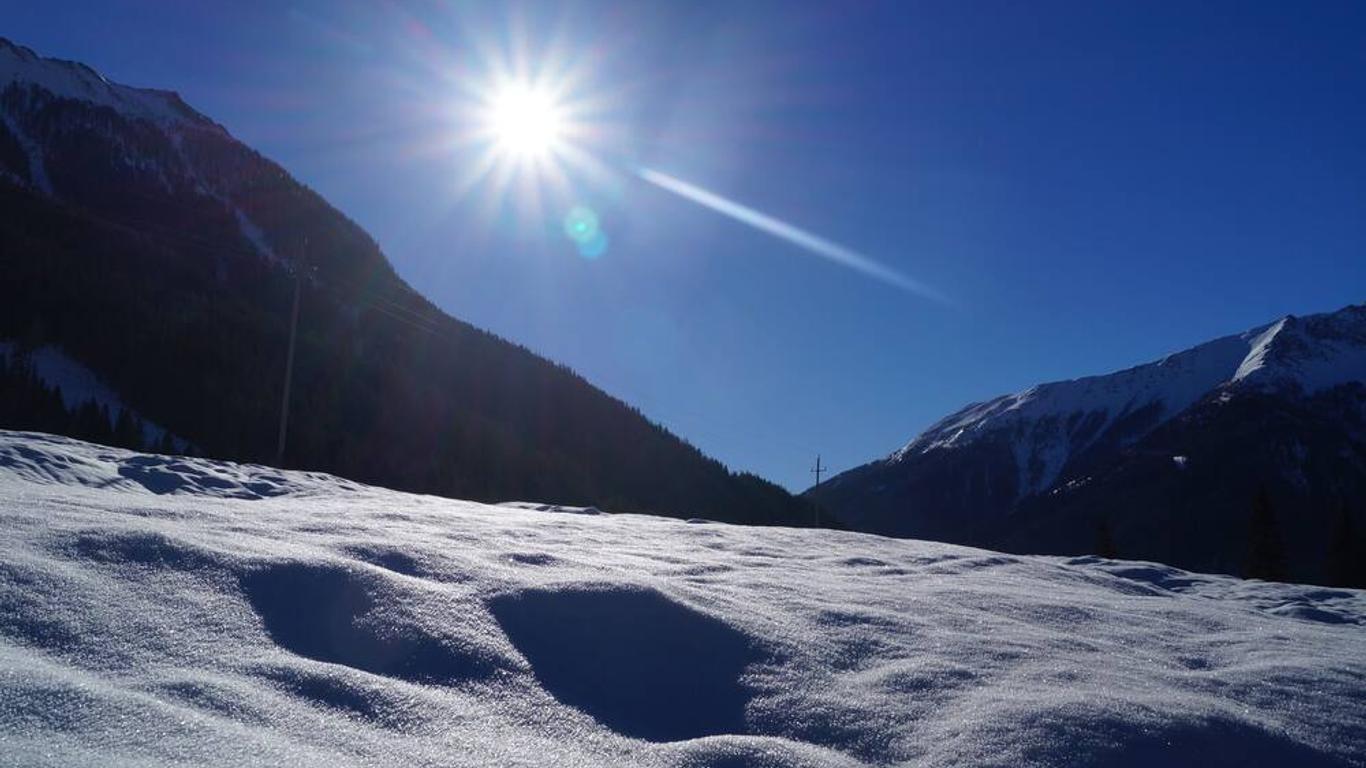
249, 229
80, 384
37, 169
1312, 354
73, 80
1256, 358
254, 234
1175, 383
330, 624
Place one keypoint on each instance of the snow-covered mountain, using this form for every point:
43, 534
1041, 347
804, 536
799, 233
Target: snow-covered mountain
968, 477
37, 96
163, 610
1049, 424
74, 80
142, 242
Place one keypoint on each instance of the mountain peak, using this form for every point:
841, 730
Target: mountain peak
74, 80
1156, 456
1312, 353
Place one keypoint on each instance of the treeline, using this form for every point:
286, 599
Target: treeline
1342, 545
27, 403
1345, 557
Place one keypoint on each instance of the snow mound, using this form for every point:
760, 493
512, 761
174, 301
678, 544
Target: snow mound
63, 461
238, 615
558, 508
334, 614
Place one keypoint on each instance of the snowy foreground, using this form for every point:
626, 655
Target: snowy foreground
158, 610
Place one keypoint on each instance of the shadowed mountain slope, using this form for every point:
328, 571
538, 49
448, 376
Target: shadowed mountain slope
142, 240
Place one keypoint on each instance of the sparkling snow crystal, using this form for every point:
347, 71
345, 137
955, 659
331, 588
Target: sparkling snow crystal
163, 610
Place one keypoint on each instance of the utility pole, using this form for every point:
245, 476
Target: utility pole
818, 470
815, 509
289, 359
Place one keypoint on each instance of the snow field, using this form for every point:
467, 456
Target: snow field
164, 610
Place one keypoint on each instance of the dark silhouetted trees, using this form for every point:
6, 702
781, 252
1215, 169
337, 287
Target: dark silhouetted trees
161, 294
1346, 553
1266, 555
28, 403
1105, 539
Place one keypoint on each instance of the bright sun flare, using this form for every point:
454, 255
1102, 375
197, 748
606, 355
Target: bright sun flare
525, 121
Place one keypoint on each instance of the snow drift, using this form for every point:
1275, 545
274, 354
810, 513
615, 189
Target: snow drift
163, 610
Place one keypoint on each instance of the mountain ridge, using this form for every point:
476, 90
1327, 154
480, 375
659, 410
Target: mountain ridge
978, 475
1260, 356
79, 81
145, 242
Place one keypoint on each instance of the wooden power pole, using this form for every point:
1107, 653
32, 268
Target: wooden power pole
818, 469
289, 360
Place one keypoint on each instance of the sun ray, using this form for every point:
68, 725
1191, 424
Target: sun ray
782, 230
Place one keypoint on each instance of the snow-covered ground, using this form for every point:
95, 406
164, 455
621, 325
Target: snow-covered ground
159, 610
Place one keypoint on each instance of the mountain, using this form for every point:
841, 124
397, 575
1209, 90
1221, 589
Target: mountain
141, 242
172, 611
1164, 461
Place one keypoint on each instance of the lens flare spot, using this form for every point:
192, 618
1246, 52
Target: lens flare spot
583, 227
581, 224
594, 248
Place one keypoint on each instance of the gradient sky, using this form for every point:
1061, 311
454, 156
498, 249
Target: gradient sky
1093, 185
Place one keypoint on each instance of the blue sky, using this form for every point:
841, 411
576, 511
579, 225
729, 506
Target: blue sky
1093, 185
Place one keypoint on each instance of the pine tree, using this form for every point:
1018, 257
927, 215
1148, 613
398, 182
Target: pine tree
1266, 558
1105, 540
59, 419
127, 430
87, 422
1346, 566
106, 426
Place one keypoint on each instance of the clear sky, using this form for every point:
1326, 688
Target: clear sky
1091, 185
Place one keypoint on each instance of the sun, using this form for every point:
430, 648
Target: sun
531, 136
524, 121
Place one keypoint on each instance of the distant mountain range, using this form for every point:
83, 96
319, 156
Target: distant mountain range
1244, 455
146, 248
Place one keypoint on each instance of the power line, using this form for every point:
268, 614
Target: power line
371, 299
385, 306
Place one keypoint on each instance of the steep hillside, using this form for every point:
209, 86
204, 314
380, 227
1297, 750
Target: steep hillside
143, 241
1163, 461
